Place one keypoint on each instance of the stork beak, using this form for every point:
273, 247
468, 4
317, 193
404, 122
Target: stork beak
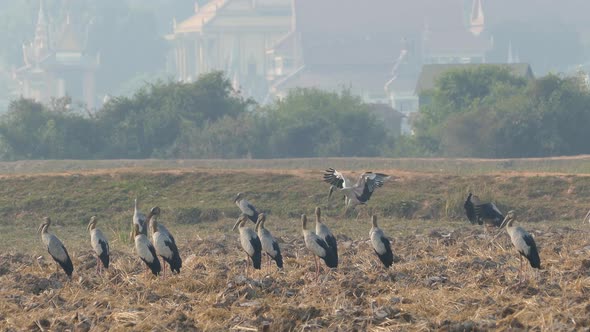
40, 228
237, 223
88, 226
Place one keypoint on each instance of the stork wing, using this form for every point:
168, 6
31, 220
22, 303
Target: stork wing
334, 178
247, 208
372, 180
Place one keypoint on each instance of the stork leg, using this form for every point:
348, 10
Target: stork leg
97, 265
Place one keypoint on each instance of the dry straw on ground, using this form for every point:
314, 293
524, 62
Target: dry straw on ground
447, 277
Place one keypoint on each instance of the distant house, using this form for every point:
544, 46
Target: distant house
432, 72
56, 63
389, 117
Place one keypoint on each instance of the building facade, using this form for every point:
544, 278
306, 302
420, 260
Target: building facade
232, 36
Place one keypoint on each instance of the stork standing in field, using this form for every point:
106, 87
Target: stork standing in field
146, 251
325, 234
250, 242
140, 219
360, 192
269, 245
318, 247
482, 213
246, 208
523, 242
380, 243
160, 227
100, 245
164, 243
56, 248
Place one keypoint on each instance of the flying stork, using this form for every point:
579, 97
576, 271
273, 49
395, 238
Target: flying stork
318, 247
164, 243
99, 244
146, 251
269, 245
325, 234
380, 243
250, 242
481, 213
56, 248
246, 208
523, 242
356, 194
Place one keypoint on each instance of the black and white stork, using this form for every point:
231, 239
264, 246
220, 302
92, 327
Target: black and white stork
380, 243
269, 245
99, 244
146, 251
360, 192
55, 247
250, 242
522, 241
246, 207
325, 234
318, 247
164, 243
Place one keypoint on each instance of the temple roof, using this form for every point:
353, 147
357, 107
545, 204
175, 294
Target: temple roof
202, 16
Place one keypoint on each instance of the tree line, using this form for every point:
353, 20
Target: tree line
478, 112
203, 119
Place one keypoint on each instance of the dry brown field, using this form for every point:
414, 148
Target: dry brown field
448, 275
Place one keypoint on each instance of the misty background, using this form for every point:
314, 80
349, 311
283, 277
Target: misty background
283, 78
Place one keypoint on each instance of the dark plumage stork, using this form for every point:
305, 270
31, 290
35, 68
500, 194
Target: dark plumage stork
482, 213
139, 219
250, 242
470, 210
380, 243
146, 251
56, 248
325, 234
164, 243
318, 247
269, 245
248, 209
522, 241
360, 192
99, 244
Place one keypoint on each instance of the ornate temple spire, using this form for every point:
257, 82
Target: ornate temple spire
41, 41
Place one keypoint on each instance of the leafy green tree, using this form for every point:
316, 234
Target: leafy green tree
311, 122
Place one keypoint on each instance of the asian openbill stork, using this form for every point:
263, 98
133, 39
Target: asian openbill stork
360, 192
380, 243
250, 242
146, 251
246, 207
139, 219
482, 213
325, 234
160, 227
269, 245
99, 244
318, 247
523, 242
164, 243
56, 248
